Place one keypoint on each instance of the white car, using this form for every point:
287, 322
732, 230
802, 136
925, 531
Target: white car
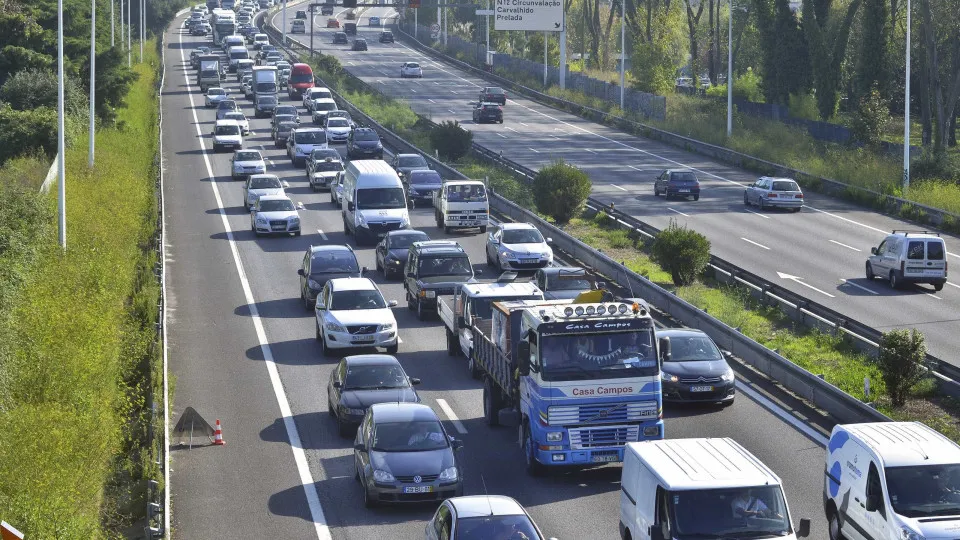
214, 96
518, 246
338, 129
476, 516
247, 162
351, 312
311, 94
319, 109
274, 214
411, 69
241, 120
227, 134
324, 173
261, 185
260, 39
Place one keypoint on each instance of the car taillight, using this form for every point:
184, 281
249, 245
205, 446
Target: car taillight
771, 195
798, 196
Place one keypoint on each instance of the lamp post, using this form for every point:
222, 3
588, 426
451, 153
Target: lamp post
61, 146
93, 78
129, 34
283, 19
623, 49
730, 71
143, 20
112, 41
906, 112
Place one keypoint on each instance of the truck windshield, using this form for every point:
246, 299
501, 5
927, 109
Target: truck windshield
924, 491
465, 193
380, 198
301, 77
743, 512
596, 356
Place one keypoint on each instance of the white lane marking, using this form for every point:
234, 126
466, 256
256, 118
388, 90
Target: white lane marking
614, 185
591, 151
511, 129
930, 294
799, 280
953, 285
412, 90
679, 212
846, 219
555, 137
322, 235
861, 287
757, 213
501, 135
296, 446
844, 245
452, 111
754, 243
634, 168
779, 411
452, 416
260, 146
430, 100
535, 150
270, 162
523, 124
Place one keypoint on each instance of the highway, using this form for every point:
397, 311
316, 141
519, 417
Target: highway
242, 350
821, 251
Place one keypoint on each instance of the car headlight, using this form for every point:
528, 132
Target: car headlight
354, 412
295, 220
404, 220
386, 327
907, 534
430, 294
554, 436
335, 327
313, 284
727, 376
383, 477
261, 220
668, 377
449, 474
379, 145
507, 254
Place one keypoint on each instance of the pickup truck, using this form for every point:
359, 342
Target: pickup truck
461, 204
470, 307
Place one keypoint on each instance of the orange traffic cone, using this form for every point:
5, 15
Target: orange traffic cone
218, 435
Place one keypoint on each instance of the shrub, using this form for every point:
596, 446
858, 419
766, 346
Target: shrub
682, 252
902, 362
23, 132
746, 86
804, 106
29, 89
873, 115
561, 190
450, 140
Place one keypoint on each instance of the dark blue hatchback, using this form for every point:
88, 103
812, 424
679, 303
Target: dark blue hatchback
677, 183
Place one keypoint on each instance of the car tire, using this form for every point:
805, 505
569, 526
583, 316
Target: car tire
746, 199
323, 344
368, 501
491, 403
453, 346
394, 348
410, 305
534, 467
869, 271
306, 302
834, 530
760, 204
938, 287
319, 334
656, 192
696, 197
472, 368
483, 230
894, 282
422, 314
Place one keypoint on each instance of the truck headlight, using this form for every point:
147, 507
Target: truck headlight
907, 534
404, 220
361, 220
448, 475
554, 436
383, 477
431, 294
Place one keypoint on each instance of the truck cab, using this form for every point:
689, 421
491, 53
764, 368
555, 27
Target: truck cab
461, 204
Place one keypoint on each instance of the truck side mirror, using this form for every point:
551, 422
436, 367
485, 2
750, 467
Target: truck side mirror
523, 354
350, 206
664, 348
462, 321
803, 530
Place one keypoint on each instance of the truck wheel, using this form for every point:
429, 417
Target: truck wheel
453, 346
534, 467
483, 230
491, 403
833, 526
472, 367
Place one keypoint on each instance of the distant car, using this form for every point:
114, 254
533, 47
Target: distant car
200, 29
411, 69
241, 121
259, 40
259, 185
359, 44
263, 105
478, 516
351, 313
196, 54
402, 453
563, 282
518, 246
321, 264
405, 163
493, 94
288, 110
363, 142
302, 142
909, 257
214, 96
317, 92
359, 381
677, 183
488, 112
265, 50
386, 37
320, 108
695, 370
421, 185
326, 9
301, 14
224, 106
350, 15
338, 129
340, 38
298, 27
333, 23
322, 172
227, 134
271, 59
274, 214
350, 28
281, 132
323, 153
247, 162
774, 192
392, 251
374, 21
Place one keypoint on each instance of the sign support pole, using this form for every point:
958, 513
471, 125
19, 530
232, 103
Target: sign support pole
546, 66
563, 54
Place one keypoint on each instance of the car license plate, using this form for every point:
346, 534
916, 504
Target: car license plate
605, 459
528, 261
364, 339
684, 191
701, 388
418, 489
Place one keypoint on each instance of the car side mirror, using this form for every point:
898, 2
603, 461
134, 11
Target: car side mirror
360, 447
411, 275
392, 303
364, 270
665, 348
478, 271
803, 530
300, 272
601, 284
350, 206
549, 240
337, 384
456, 444
523, 352
414, 381
873, 250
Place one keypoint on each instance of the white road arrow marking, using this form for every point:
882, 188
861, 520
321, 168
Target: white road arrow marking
807, 285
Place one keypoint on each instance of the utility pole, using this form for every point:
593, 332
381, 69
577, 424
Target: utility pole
129, 34
121, 24
487, 30
93, 79
446, 17
563, 54
730, 72
311, 31
906, 113
61, 146
284, 22
143, 20
546, 42
112, 17
623, 50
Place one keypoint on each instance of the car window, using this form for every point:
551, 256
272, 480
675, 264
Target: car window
935, 250
915, 249
265, 182
522, 236
248, 156
350, 300
311, 137
380, 199
426, 177
693, 348
559, 282
235, 116
276, 206
328, 166
408, 436
228, 130
216, 92
365, 136
337, 122
785, 185
683, 177
325, 106
412, 65
442, 523
375, 377
330, 262
403, 241
481, 528
411, 161
227, 104
451, 265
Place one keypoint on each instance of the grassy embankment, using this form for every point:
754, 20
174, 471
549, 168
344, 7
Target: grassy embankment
78, 344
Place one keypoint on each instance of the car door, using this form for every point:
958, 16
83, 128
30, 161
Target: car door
760, 190
362, 457
891, 255
305, 266
338, 375
493, 243
876, 257
443, 523
410, 269
658, 181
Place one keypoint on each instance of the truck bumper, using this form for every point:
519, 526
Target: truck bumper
558, 453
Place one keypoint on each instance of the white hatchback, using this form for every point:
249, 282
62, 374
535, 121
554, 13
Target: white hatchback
411, 69
351, 313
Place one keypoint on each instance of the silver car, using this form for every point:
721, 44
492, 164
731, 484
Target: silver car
769, 192
518, 246
274, 214
247, 162
259, 185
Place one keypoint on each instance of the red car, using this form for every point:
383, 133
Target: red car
333, 23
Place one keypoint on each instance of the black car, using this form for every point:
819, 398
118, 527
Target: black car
326, 9
364, 143
301, 14
421, 185
681, 183
564, 282
695, 370
288, 110
264, 105
281, 132
434, 268
386, 37
321, 264
361, 380
493, 94
340, 38
392, 251
350, 28
487, 112
405, 163
359, 44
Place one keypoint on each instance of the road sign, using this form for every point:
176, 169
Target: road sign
536, 15
434, 31
482, 12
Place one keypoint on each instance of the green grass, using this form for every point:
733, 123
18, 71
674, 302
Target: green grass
80, 343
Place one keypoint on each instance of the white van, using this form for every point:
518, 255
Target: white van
235, 54
909, 257
373, 200
701, 488
892, 480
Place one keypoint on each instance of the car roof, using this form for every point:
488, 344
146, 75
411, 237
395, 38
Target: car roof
226, 122
402, 412
365, 129
330, 247
308, 129
681, 332
409, 155
264, 175
424, 172
901, 443
439, 247
371, 360
925, 235
326, 100
489, 104
517, 226
406, 232
671, 171
486, 505
352, 284
569, 270
705, 463
274, 198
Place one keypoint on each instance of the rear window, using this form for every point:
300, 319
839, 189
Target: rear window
495, 90
683, 177
310, 137
935, 250
784, 185
915, 249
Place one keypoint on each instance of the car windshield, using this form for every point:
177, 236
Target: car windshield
337, 123
567, 282
323, 153
281, 118
365, 136
408, 436
411, 161
403, 241
286, 109
375, 377
267, 100
286, 126
444, 265
466, 193
426, 178
722, 513
311, 137
483, 307
596, 355
380, 199
248, 156
301, 77
522, 236
692, 349
265, 182
334, 262
238, 54
785, 185
228, 130
328, 166
324, 106
925, 491
351, 300
495, 90
683, 177
227, 105
485, 527
283, 205
216, 92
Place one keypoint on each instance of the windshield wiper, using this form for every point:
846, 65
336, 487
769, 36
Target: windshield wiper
751, 534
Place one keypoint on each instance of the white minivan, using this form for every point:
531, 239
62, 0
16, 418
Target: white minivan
892, 480
909, 257
701, 488
373, 200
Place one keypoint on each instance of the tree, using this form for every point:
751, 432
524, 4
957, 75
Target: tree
828, 47
873, 115
693, 23
873, 61
786, 65
902, 361
943, 78
450, 140
560, 191
683, 252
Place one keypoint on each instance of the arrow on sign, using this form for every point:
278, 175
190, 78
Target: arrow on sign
798, 280
556, 25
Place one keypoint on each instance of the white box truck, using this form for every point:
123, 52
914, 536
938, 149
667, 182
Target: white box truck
265, 80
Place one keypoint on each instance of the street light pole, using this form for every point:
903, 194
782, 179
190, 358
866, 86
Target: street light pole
112, 17
623, 49
93, 78
61, 146
143, 21
283, 19
906, 113
129, 34
730, 72
546, 43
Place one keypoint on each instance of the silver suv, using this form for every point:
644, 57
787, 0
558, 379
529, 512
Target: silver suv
909, 257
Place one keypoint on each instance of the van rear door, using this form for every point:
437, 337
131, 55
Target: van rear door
925, 258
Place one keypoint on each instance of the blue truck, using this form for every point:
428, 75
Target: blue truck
578, 380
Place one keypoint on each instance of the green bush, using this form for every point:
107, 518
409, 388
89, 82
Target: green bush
902, 363
450, 140
30, 88
24, 132
804, 106
682, 252
561, 190
873, 115
746, 86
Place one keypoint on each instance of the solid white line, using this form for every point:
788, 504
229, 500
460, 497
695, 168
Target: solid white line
846, 219
430, 100
591, 151
614, 185
844, 245
511, 129
778, 411
412, 90
953, 285
523, 124
320, 232
535, 150
757, 213
681, 213
861, 287
452, 416
167, 486
932, 295
501, 135
452, 111
754, 243
634, 168
296, 446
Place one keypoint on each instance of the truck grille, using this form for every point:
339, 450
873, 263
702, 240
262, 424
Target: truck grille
384, 226
601, 413
584, 438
